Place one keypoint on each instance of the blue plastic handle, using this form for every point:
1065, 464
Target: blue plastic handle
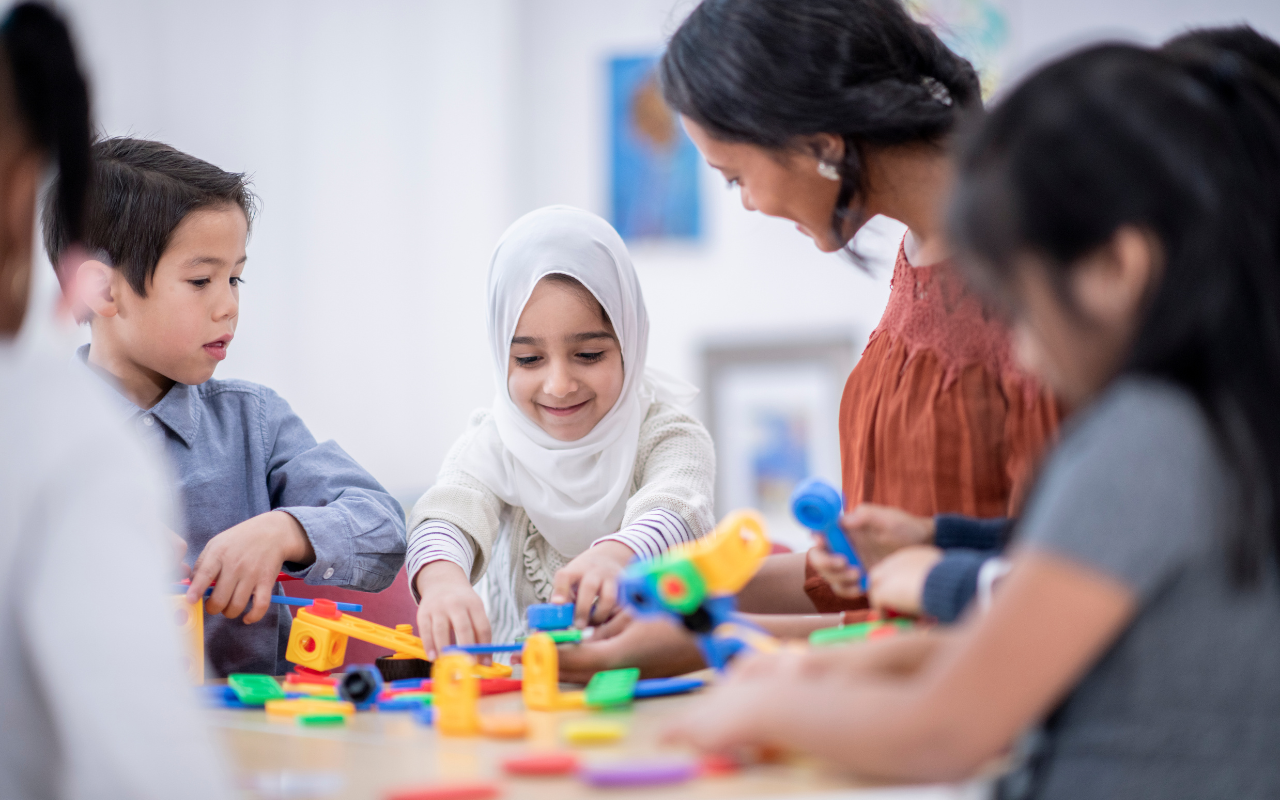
817, 505
550, 616
279, 599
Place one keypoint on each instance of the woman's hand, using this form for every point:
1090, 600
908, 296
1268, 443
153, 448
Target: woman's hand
591, 581
450, 611
876, 531
845, 581
897, 583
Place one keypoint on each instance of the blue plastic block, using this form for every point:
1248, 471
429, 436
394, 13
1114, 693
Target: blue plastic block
662, 687
817, 504
405, 683
481, 649
425, 714
223, 697
400, 705
360, 685
550, 616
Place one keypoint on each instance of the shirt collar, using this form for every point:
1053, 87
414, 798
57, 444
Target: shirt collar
178, 410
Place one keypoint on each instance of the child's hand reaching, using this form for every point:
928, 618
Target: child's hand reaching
245, 560
897, 583
876, 531
591, 579
845, 581
450, 611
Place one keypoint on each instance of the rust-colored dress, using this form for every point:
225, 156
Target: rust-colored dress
936, 418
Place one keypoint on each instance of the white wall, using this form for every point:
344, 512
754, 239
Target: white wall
392, 141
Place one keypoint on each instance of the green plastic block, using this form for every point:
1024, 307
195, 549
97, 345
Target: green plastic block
254, 689
614, 687
421, 697
571, 636
321, 719
852, 633
679, 585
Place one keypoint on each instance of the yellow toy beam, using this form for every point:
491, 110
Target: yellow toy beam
731, 554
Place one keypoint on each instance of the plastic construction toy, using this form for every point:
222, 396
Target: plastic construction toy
858, 631
455, 791
254, 690
541, 764
318, 639
541, 688
694, 584
361, 685
190, 619
550, 616
592, 731
456, 691
817, 504
402, 665
612, 688
290, 708
665, 687
639, 774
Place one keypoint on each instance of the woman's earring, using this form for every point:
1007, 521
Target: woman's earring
828, 171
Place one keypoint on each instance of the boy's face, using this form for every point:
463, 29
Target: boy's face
184, 326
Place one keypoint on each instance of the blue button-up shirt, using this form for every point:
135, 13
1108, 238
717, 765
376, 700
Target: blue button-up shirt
239, 451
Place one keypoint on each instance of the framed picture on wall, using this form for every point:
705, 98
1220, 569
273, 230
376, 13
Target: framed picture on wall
773, 410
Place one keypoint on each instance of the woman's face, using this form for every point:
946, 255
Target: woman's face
779, 183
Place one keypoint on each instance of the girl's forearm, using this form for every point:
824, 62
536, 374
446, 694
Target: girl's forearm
777, 588
793, 626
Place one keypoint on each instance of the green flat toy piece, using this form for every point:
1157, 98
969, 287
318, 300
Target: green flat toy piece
567, 636
614, 687
254, 689
421, 697
321, 719
852, 633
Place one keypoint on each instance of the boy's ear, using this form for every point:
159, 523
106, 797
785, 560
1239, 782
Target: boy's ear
94, 287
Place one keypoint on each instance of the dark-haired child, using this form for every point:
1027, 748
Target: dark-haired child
1121, 205
259, 495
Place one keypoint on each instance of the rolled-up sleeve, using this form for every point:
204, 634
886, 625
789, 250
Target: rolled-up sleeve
356, 528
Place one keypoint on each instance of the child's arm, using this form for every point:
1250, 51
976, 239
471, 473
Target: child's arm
331, 523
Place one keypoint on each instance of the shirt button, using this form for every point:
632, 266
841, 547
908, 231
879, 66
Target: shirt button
148, 420
328, 573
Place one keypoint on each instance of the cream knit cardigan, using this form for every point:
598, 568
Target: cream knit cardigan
675, 470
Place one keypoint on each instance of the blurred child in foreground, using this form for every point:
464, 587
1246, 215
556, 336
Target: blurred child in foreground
83, 505
1121, 205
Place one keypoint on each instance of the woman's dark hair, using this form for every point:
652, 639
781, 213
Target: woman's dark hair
770, 72
141, 191
1185, 145
53, 99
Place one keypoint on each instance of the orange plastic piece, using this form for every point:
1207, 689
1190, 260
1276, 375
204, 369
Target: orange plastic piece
313, 689
542, 677
320, 642
455, 791
730, 555
328, 609
504, 726
305, 705
190, 619
492, 670
541, 764
456, 693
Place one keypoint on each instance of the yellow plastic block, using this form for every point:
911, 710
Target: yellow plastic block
313, 689
491, 671
592, 731
190, 619
456, 693
305, 705
347, 625
541, 687
504, 726
568, 701
314, 646
731, 554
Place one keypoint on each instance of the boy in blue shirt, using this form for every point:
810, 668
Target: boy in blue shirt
260, 496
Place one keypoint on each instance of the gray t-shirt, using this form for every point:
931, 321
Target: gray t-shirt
1186, 703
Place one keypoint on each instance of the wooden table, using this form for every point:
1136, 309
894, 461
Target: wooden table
378, 751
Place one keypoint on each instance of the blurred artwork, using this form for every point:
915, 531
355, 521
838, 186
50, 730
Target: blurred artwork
655, 166
976, 29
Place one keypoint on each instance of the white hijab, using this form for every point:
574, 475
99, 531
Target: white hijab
574, 492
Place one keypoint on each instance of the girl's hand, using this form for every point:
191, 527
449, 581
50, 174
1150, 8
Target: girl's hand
876, 531
659, 648
845, 581
245, 560
897, 583
590, 580
450, 611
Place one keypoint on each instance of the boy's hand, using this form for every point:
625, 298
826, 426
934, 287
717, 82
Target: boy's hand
592, 579
245, 560
876, 531
845, 581
450, 611
897, 583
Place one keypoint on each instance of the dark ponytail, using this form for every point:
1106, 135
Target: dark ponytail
1184, 144
768, 72
53, 99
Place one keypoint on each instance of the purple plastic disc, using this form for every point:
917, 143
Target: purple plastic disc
638, 774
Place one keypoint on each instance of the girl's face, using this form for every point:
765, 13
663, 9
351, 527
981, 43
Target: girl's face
565, 370
1077, 348
785, 184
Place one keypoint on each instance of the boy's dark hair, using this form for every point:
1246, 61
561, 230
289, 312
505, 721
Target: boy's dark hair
1185, 145
769, 72
140, 192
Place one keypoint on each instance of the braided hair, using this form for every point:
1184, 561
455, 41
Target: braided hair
770, 72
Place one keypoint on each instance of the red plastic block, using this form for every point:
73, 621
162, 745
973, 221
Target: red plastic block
541, 764
500, 685
304, 675
325, 608
454, 791
718, 764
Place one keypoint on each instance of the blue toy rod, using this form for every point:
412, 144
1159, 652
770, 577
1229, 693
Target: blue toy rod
817, 504
350, 608
483, 649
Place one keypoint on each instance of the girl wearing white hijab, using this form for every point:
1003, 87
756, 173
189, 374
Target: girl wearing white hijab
582, 463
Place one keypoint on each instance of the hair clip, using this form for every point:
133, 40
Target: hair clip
936, 90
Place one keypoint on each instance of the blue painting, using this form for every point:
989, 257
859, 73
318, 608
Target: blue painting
655, 166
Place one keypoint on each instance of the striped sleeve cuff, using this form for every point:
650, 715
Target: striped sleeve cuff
652, 534
437, 540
